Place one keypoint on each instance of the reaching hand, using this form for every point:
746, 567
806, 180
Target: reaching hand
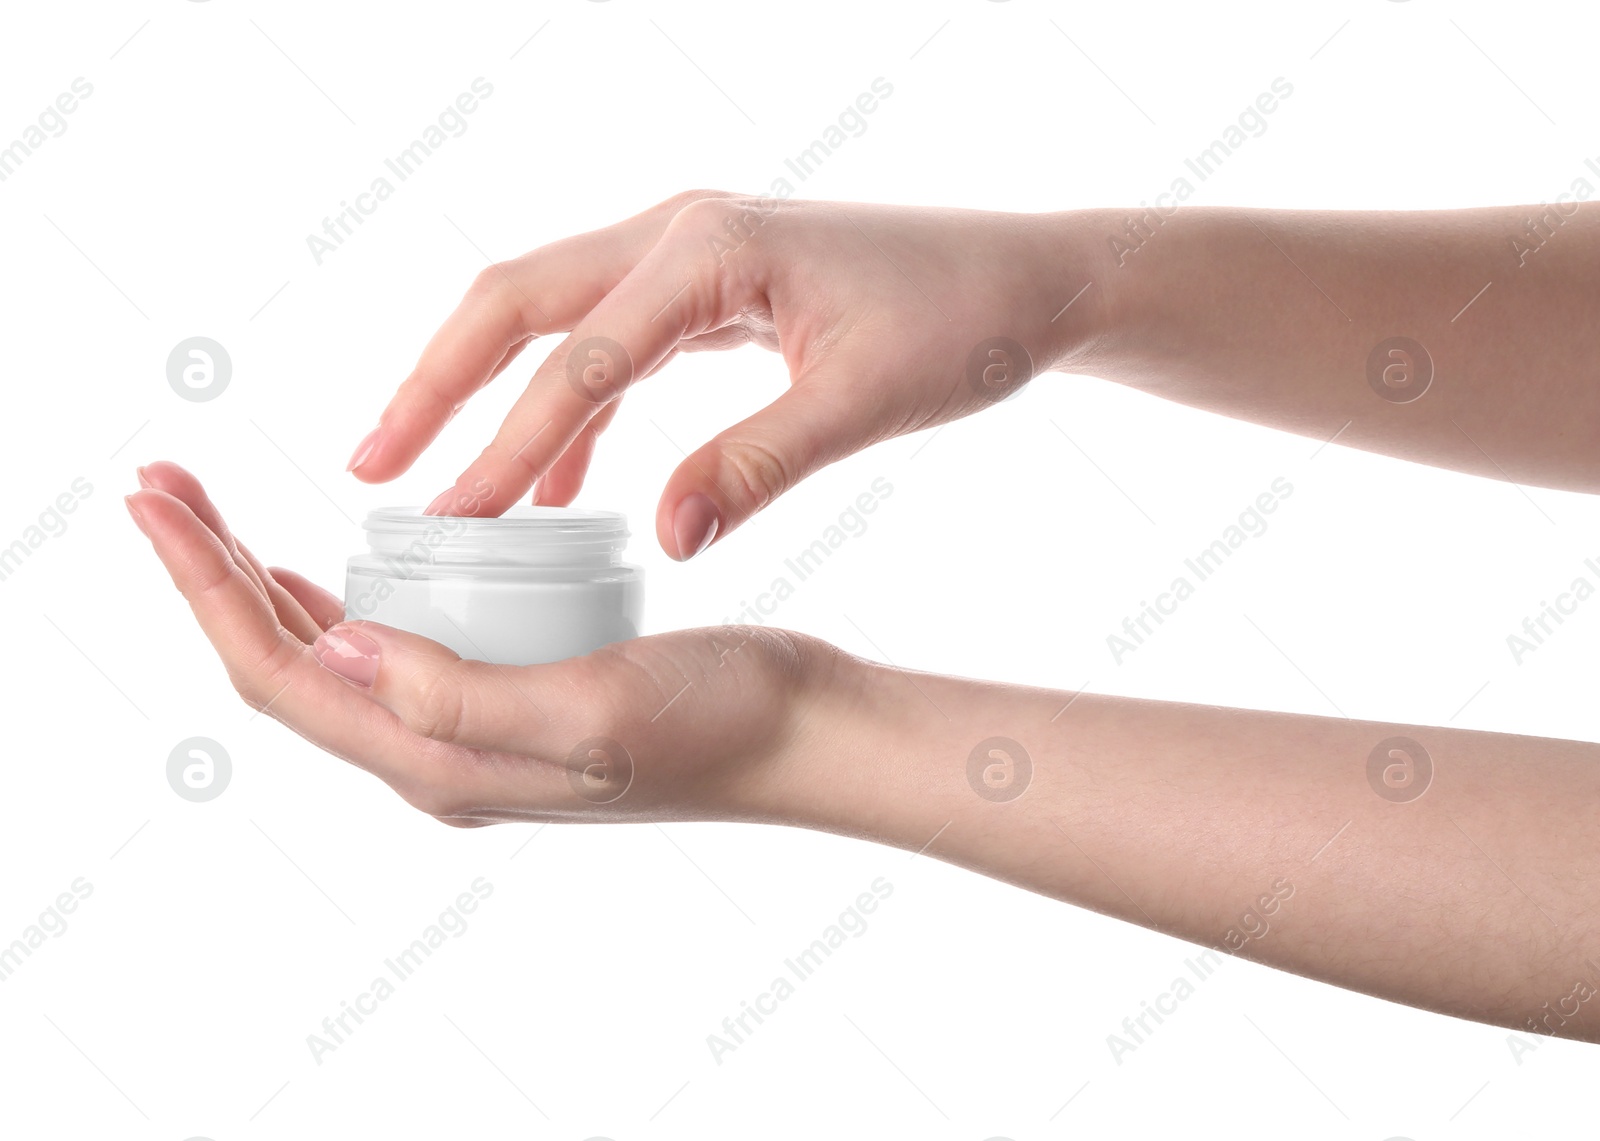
890, 319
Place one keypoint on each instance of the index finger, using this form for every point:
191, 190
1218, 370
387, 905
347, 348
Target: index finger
681, 288
546, 291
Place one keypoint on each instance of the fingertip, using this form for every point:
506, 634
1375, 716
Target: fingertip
441, 503
561, 497
364, 450
388, 459
695, 524
147, 504
133, 507
556, 488
474, 496
163, 474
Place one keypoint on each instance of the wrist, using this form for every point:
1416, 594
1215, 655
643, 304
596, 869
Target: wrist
869, 756
845, 730
970, 772
1072, 271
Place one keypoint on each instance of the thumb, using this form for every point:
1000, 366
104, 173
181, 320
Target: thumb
433, 691
819, 419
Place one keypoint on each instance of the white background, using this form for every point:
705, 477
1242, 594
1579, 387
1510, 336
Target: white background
219, 935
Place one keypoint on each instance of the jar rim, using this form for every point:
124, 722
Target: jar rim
522, 517
525, 535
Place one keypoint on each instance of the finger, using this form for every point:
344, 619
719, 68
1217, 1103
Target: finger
745, 468
568, 472
476, 343
324, 607
559, 486
679, 289
441, 696
174, 480
169, 477
546, 291
271, 670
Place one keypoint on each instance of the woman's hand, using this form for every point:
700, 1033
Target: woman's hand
890, 319
697, 724
1195, 821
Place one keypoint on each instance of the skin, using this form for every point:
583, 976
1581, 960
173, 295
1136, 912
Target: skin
876, 308
1465, 892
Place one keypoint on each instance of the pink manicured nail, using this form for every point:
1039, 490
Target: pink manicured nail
694, 525
364, 450
442, 504
350, 654
133, 509
144, 480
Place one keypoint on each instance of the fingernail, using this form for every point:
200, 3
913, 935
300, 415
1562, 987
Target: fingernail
441, 505
133, 509
350, 654
364, 450
144, 480
694, 525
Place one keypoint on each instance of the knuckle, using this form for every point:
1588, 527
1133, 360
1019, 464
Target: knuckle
601, 685
729, 221
491, 281
683, 198
758, 473
260, 681
702, 216
510, 461
511, 288
433, 704
432, 796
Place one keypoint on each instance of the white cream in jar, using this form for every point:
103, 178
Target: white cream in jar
536, 584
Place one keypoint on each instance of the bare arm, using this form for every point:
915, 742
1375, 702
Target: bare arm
1466, 339
1450, 870
1461, 338
1470, 898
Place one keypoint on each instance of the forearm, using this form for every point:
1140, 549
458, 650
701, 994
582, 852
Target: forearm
1245, 831
1275, 315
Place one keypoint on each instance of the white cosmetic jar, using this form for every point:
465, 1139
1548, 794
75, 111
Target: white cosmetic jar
536, 584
